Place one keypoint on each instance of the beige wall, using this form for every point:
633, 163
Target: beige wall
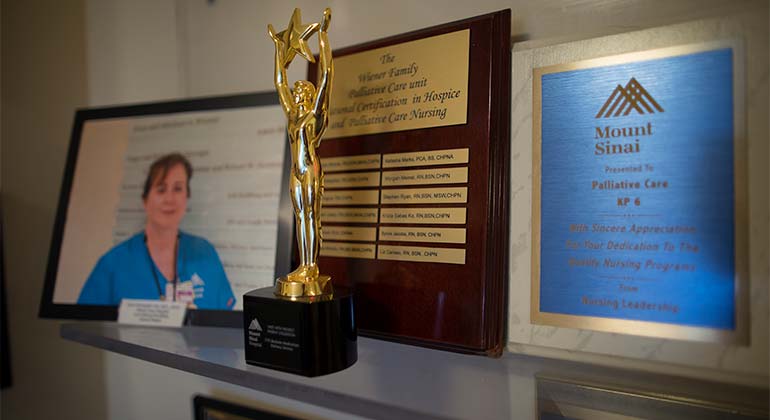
133, 51
225, 48
43, 81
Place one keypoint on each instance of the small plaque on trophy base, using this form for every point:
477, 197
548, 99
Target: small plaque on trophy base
310, 336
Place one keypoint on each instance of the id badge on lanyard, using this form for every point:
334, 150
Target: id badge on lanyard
169, 291
182, 293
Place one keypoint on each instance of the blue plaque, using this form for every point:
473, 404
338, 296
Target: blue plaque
635, 194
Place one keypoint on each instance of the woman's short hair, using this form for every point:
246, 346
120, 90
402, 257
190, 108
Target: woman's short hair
160, 168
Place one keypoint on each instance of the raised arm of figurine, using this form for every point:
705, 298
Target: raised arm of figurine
325, 76
281, 85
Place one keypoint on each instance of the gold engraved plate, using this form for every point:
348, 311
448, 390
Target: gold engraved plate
344, 197
349, 215
355, 179
421, 254
417, 84
425, 176
351, 163
417, 234
347, 250
425, 195
347, 233
449, 215
433, 157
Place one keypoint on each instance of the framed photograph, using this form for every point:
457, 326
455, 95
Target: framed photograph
173, 200
205, 408
5, 345
566, 398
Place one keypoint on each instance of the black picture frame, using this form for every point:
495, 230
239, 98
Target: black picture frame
564, 397
214, 318
6, 379
203, 407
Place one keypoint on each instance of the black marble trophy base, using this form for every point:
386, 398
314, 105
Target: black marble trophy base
309, 336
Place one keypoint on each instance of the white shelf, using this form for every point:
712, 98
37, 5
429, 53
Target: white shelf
392, 380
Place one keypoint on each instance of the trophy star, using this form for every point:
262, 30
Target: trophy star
295, 36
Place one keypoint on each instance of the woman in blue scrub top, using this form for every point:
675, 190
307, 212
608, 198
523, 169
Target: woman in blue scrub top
162, 262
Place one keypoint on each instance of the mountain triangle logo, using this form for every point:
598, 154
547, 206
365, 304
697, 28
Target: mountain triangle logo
626, 99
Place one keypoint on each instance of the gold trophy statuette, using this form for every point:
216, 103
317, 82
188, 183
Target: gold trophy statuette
307, 113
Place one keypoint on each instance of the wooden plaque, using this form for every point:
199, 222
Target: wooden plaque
416, 213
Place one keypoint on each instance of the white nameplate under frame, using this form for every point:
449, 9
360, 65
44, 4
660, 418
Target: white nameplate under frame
151, 312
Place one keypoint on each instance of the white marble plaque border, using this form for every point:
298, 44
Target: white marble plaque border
722, 362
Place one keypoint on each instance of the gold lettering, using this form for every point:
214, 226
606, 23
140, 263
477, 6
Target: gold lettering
425, 176
413, 88
425, 195
350, 163
433, 157
421, 254
415, 234
437, 215
347, 250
